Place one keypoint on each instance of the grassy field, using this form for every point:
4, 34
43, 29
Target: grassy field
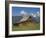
26, 26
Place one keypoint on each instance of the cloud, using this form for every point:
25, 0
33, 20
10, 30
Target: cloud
35, 14
38, 14
32, 14
23, 12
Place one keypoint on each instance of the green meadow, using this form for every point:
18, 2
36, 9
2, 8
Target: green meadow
26, 26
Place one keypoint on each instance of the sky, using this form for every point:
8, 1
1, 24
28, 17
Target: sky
18, 11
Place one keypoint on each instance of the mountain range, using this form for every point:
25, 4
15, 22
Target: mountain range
18, 19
